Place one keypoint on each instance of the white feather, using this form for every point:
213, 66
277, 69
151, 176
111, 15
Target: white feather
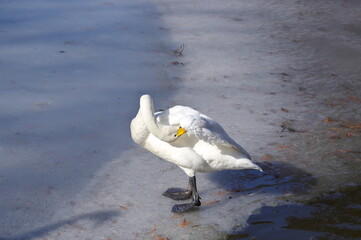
200, 125
206, 146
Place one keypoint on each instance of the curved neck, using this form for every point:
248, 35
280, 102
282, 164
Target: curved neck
147, 111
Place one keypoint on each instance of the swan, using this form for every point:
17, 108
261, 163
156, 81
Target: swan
189, 139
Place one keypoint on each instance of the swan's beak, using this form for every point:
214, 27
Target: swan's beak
181, 131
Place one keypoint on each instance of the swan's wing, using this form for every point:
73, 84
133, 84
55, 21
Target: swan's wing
200, 125
210, 131
175, 115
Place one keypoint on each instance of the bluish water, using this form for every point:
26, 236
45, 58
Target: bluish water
336, 216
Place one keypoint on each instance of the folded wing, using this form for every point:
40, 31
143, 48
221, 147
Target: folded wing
202, 126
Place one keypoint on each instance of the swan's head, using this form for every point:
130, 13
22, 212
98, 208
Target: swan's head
170, 133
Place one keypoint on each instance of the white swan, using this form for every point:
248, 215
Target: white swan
191, 140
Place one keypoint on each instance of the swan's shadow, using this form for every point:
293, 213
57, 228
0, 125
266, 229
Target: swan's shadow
278, 178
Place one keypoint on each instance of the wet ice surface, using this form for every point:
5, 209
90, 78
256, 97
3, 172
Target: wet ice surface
70, 82
336, 216
281, 78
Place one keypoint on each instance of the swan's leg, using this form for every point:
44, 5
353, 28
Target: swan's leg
179, 193
178, 208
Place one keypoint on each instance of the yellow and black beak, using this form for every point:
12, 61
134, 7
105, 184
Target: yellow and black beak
181, 131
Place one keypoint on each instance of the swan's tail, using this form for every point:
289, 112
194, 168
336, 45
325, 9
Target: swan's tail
256, 167
245, 163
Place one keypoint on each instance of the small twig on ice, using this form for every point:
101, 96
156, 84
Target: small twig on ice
179, 50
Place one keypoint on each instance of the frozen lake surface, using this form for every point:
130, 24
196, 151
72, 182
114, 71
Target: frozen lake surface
281, 77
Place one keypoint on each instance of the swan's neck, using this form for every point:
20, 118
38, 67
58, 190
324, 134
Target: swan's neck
139, 130
144, 123
147, 111
163, 132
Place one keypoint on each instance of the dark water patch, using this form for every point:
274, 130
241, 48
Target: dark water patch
336, 216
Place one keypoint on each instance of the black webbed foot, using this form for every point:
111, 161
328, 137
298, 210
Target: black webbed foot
178, 193
178, 208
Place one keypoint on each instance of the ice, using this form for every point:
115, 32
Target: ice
72, 73
71, 76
